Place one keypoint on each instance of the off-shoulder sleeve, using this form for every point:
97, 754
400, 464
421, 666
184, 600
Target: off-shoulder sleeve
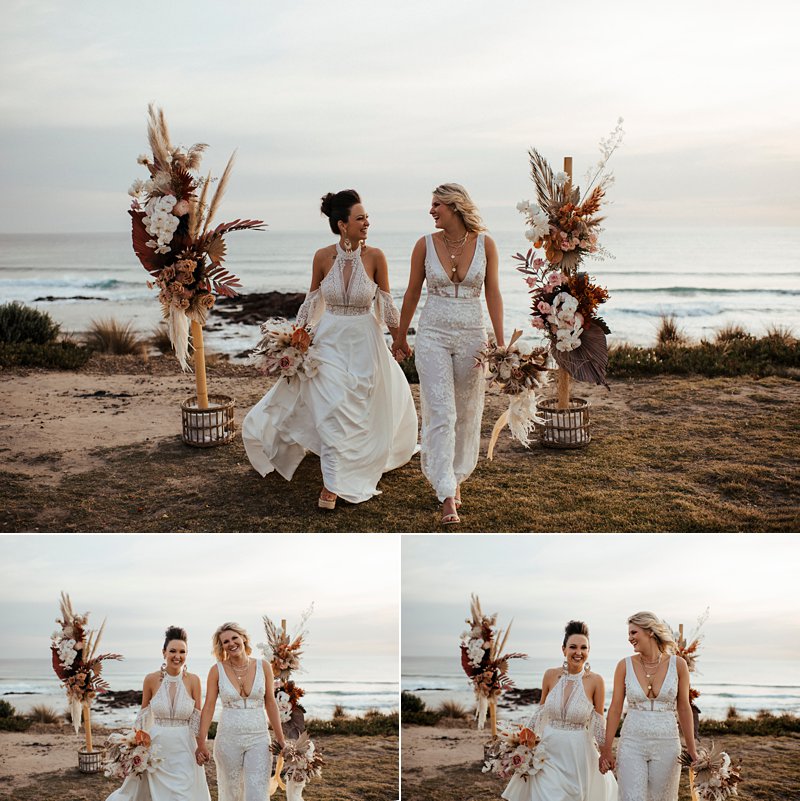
312, 308
536, 722
144, 719
598, 728
194, 721
385, 309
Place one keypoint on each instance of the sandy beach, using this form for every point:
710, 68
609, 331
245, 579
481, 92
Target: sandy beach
95, 449
443, 763
42, 765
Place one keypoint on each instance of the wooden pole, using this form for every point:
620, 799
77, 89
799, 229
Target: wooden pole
562, 379
493, 717
199, 365
87, 727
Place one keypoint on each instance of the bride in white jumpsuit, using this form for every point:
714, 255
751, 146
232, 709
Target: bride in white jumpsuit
457, 264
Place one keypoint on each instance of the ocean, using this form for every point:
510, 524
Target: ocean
359, 686
748, 686
707, 278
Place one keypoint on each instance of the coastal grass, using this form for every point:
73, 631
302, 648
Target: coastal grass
41, 713
770, 771
356, 769
668, 454
114, 337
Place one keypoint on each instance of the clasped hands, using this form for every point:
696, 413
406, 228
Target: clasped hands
401, 349
607, 763
202, 755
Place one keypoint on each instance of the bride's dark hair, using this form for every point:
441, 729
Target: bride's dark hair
336, 207
174, 633
575, 627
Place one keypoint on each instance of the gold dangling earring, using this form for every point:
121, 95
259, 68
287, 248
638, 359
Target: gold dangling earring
565, 668
163, 669
587, 667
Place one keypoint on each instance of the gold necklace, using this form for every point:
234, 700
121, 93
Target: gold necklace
459, 249
649, 676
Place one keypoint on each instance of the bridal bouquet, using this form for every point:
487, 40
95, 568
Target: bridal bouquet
76, 661
482, 658
516, 752
301, 763
129, 753
566, 225
285, 350
715, 775
517, 375
172, 234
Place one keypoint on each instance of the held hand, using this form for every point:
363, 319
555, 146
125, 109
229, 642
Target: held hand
401, 349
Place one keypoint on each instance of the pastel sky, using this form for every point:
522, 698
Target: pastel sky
748, 582
143, 583
394, 98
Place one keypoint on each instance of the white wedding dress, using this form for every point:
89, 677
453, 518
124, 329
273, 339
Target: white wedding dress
172, 722
569, 726
357, 413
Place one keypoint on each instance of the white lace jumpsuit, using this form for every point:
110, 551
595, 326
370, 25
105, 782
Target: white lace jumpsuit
647, 758
241, 747
450, 331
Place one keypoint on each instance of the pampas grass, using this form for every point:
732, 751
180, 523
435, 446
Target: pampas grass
111, 336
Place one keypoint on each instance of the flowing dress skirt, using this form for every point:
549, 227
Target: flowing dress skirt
177, 777
570, 772
357, 413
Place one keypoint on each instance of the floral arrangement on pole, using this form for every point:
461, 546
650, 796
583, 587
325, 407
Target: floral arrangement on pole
516, 752
131, 753
517, 375
286, 350
77, 663
566, 226
173, 238
483, 660
713, 775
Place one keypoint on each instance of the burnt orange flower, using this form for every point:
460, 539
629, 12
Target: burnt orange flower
301, 339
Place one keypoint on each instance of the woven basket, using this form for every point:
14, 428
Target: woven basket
565, 428
90, 761
206, 428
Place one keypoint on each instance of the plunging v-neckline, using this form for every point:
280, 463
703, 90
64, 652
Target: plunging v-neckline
663, 681
444, 269
233, 686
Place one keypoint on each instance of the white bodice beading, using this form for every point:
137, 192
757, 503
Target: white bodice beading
347, 291
171, 706
651, 717
568, 708
231, 699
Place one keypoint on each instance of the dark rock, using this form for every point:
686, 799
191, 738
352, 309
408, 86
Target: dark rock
255, 307
516, 697
51, 298
116, 699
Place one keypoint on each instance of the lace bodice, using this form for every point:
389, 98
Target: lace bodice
229, 695
438, 279
665, 701
347, 290
170, 706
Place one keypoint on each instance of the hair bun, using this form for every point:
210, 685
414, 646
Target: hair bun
175, 633
327, 204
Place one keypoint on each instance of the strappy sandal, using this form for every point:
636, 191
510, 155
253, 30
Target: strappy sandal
327, 500
457, 498
451, 519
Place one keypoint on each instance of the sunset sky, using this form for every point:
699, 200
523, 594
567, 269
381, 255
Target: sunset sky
394, 98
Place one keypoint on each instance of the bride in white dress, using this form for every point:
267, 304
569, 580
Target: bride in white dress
357, 412
569, 721
171, 715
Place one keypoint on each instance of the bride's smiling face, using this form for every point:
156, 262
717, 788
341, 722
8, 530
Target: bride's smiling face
232, 643
357, 224
175, 655
576, 652
638, 637
442, 214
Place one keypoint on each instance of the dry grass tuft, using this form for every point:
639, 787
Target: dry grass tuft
41, 713
111, 336
669, 332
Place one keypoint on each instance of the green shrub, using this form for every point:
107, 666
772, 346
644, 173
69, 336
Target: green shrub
40, 713
57, 355
10, 720
414, 711
764, 725
411, 703
20, 323
110, 336
373, 723
7, 710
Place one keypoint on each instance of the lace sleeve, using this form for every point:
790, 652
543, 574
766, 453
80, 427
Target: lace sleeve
312, 308
194, 722
385, 309
536, 722
144, 719
598, 725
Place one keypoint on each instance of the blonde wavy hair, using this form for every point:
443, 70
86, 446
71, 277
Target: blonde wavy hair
458, 199
657, 627
216, 640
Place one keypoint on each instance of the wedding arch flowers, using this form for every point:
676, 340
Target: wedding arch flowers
483, 660
172, 234
565, 225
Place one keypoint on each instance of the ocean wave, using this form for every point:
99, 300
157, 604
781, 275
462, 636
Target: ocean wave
690, 291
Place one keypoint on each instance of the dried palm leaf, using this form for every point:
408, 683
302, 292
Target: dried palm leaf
588, 362
543, 179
